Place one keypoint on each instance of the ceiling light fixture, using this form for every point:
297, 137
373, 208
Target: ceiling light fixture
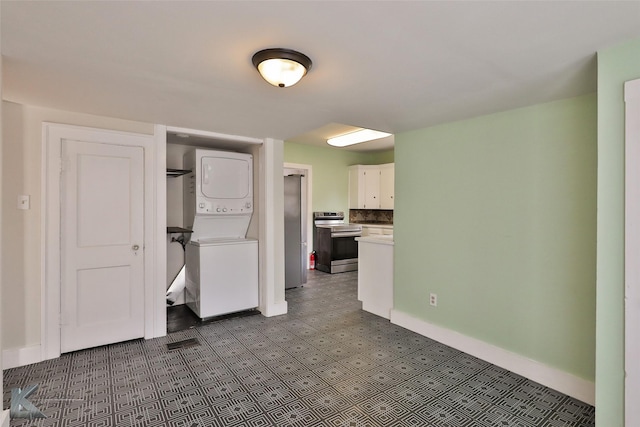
281, 67
356, 137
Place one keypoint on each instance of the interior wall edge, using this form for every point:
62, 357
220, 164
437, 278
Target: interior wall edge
275, 309
616, 65
566, 383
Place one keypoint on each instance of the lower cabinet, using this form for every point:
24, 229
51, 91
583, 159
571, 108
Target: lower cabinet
372, 230
375, 274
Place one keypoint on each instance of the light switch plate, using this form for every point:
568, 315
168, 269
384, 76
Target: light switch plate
24, 202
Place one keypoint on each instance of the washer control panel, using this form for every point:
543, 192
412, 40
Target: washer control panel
229, 207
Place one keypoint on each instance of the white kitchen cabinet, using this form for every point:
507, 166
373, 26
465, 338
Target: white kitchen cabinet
364, 187
387, 185
369, 184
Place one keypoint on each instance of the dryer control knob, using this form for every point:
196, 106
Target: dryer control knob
217, 209
224, 209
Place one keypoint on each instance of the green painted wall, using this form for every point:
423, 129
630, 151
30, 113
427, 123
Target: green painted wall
497, 215
330, 174
381, 157
615, 66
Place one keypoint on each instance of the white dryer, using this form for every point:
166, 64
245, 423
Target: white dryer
218, 193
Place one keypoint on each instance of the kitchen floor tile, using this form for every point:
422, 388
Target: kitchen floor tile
325, 363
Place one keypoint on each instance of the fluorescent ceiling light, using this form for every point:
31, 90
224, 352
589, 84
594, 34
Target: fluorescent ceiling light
356, 137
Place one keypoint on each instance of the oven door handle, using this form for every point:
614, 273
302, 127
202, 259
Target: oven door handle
346, 234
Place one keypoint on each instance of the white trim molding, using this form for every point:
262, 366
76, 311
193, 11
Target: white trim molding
271, 232
4, 418
14, 357
556, 379
632, 253
157, 326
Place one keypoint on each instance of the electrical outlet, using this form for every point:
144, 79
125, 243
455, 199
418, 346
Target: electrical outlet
433, 299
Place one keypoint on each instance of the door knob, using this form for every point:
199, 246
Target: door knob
135, 247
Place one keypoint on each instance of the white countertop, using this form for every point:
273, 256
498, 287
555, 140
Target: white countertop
382, 239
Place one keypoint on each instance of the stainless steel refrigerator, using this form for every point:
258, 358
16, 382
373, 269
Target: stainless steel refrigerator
295, 233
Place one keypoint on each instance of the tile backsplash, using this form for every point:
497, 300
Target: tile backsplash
371, 216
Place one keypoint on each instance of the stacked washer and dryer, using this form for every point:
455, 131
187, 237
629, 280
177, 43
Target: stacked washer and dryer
221, 262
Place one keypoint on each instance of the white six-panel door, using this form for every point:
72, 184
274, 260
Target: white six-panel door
102, 235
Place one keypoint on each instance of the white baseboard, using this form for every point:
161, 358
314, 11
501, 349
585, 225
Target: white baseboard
14, 357
556, 379
275, 309
4, 418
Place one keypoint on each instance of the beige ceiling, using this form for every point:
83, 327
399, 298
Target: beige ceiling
388, 65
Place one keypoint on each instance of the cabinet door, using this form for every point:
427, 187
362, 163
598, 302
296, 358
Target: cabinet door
386, 186
356, 188
372, 189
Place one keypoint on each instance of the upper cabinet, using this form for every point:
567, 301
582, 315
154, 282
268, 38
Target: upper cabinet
371, 186
386, 185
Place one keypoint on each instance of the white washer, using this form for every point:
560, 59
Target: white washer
222, 276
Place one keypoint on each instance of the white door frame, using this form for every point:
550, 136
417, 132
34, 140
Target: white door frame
632, 253
268, 207
307, 171
52, 136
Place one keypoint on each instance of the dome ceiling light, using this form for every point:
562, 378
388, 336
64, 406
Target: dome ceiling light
356, 137
281, 67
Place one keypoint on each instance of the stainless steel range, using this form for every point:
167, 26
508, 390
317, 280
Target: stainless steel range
335, 242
